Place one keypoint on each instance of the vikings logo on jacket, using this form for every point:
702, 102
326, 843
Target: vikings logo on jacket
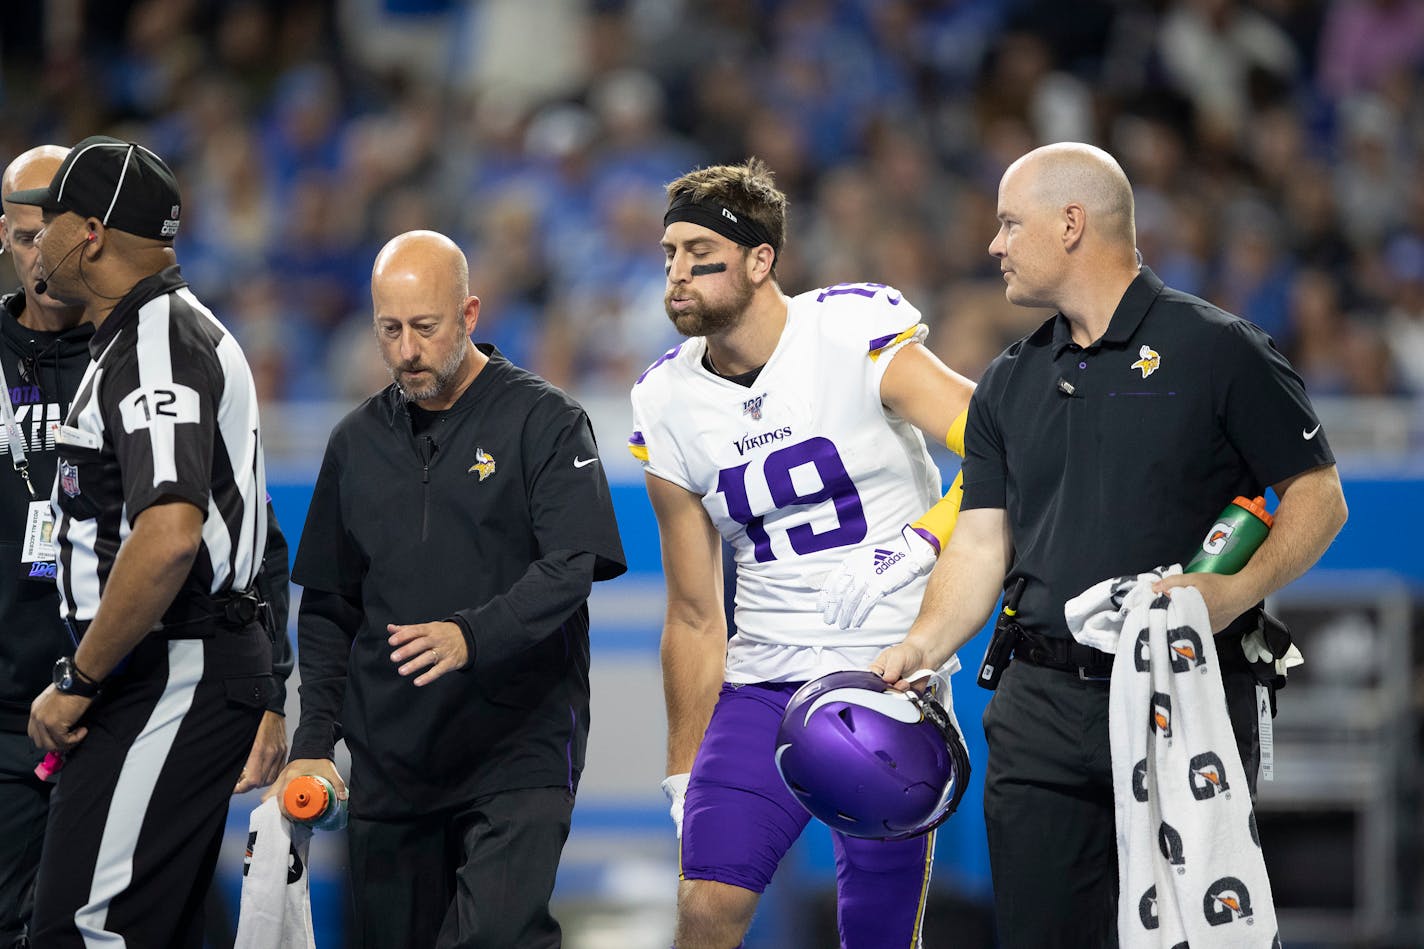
484, 464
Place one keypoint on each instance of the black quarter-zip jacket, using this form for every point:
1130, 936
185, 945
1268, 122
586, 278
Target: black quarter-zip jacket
494, 514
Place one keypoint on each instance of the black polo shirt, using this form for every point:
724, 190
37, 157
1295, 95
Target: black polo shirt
1115, 458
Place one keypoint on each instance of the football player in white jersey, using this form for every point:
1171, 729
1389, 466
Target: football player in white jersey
792, 428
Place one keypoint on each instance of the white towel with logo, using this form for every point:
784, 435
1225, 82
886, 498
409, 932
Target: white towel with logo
1190, 869
275, 911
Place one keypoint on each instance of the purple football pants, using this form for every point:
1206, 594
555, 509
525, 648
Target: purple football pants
739, 820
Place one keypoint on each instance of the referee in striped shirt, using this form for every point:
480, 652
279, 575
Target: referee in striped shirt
160, 529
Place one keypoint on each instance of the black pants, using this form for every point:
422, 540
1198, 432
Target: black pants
138, 814
1048, 804
476, 878
24, 802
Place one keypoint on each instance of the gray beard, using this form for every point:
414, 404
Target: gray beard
444, 373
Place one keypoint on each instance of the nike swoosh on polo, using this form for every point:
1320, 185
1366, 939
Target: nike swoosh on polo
583, 462
1310, 434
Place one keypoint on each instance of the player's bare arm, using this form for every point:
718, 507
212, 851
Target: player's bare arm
694, 645
925, 392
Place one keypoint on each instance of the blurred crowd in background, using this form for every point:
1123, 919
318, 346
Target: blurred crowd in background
1275, 147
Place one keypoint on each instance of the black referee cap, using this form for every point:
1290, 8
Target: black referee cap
123, 184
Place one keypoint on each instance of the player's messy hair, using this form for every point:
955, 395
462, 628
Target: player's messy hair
748, 189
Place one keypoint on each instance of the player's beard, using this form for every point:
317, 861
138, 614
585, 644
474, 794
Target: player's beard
443, 376
704, 319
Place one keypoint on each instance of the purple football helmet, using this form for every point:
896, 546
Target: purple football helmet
870, 761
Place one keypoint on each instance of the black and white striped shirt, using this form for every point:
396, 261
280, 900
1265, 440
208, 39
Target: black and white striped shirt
167, 409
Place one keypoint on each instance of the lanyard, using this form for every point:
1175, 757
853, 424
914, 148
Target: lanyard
16, 437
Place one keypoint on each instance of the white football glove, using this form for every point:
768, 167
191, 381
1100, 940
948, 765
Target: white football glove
851, 590
675, 790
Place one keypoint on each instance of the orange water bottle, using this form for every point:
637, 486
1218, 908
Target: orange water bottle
311, 800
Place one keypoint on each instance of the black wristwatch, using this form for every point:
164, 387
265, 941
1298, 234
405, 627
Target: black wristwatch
70, 681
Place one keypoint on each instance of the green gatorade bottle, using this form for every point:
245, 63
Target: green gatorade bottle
1238, 531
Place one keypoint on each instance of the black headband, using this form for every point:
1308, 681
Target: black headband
720, 218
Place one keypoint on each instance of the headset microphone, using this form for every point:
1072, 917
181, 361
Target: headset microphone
42, 284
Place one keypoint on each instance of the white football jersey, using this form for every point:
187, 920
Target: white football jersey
797, 471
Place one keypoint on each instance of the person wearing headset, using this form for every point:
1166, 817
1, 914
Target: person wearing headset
44, 352
163, 694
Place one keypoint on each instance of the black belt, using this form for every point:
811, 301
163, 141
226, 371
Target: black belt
195, 617
1065, 655
1091, 665
186, 618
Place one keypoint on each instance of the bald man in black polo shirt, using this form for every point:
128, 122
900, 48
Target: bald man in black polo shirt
1104, 444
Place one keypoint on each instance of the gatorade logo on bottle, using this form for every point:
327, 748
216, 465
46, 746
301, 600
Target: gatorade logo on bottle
1239, 529
1217, 537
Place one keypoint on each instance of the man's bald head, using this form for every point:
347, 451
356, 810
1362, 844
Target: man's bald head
422, 263
20, 227
424, 315
32, 169
1075, 173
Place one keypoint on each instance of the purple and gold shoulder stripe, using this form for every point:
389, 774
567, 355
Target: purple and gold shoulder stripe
660, 360
637, 447
882, 343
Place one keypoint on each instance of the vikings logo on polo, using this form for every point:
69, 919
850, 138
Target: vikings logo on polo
1148, 361
69, 478
1226, 901
1208, 776
484, 464
752, 407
